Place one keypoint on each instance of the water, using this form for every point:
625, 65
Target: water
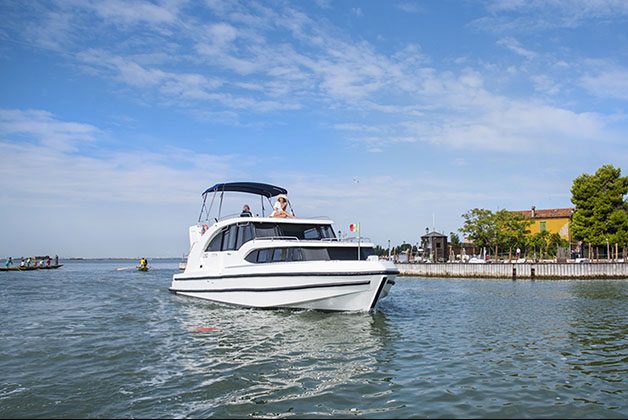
87, 341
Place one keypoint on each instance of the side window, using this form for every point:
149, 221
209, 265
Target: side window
366, 252
252, 257
215, 243
311, 233
328, 232
245, 234
316, 254
264, 255
264, 230
229, 238
294, 254
279, 254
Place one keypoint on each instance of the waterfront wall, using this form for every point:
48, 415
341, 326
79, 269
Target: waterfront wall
523, 271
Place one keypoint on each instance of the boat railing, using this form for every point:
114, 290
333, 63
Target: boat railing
237, 216
277, 238
355, 239
294, 238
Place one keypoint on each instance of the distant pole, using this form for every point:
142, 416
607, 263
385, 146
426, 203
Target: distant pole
389, 249
359, 241
608, 250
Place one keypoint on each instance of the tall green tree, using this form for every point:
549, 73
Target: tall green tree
502, 230
601, 209
480, 227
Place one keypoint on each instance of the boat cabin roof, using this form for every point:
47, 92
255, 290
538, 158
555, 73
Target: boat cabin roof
257, 188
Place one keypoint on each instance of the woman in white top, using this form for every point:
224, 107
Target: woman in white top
280, 207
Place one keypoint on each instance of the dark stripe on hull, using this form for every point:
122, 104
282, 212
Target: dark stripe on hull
379, 292
273, 289
307, 274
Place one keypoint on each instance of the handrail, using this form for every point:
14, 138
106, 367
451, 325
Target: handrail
237, 216
273, 238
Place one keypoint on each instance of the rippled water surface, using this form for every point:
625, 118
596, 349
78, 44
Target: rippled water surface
88, 340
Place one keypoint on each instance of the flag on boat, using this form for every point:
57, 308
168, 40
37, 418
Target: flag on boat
354, 227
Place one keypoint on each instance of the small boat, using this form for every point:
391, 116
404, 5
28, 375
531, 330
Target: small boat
30, 268
265, 262
142, 268
19, 268
49, 267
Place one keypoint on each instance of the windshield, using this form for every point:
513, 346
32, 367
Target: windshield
234, 236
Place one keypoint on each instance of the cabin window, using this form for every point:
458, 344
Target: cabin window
245, 234
316, 254
265, 230
229, 238
299, 231
295, 254
216, 243
279, 254
267, 255
338, 253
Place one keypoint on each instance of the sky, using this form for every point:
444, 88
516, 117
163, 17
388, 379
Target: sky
399, 115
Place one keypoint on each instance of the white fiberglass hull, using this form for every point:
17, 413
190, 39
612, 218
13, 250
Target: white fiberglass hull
349, 291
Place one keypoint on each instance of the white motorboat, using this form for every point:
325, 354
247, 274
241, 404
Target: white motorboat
266, 262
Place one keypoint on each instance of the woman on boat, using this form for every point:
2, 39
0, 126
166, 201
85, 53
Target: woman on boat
280, 207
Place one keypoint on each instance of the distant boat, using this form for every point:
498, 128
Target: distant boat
142, 268
49, 267
30, 267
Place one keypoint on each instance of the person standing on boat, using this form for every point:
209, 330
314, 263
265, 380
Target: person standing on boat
28, 262
143, 262
47, 261
56, 260
246, 211
22, 262
9, 262
280, 207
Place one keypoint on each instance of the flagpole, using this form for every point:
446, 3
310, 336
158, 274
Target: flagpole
358, 241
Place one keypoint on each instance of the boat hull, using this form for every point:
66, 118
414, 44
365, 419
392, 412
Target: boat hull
320, 291
30, 268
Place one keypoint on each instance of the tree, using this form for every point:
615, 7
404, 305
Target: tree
479, 226
500, 230
512, 229
454, 239
601, 209
544, 244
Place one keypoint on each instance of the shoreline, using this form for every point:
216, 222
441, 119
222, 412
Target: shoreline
531, 271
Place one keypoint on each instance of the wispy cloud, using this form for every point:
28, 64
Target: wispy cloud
40, 163
607, 80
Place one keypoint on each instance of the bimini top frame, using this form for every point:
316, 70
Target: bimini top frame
257, 188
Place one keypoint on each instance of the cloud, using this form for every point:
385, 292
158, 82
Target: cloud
542, 15
514, 46
409, 7
44, 159
610, 81
134, 11
42, 128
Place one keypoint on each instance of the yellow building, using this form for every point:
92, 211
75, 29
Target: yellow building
551, 220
